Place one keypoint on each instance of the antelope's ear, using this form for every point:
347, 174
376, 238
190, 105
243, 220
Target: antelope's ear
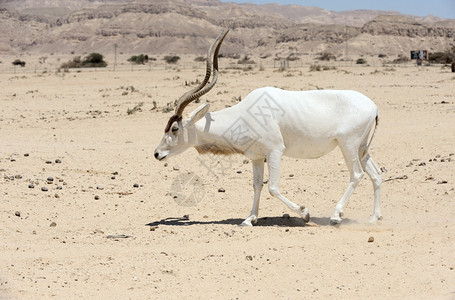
198, 113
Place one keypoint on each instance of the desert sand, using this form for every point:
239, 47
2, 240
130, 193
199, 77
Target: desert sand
109, 225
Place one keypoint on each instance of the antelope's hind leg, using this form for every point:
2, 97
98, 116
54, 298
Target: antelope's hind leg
374, 173
258, 176
351, 157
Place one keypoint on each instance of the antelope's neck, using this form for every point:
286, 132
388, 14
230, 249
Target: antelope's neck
211, 138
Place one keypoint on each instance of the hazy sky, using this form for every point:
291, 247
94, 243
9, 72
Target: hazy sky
439, 8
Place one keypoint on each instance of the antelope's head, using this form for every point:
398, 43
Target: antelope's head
178, 131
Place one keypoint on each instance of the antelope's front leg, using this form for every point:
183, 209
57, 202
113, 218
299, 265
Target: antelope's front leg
274, 162
258, 176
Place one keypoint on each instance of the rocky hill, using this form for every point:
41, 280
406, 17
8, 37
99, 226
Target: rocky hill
188, 26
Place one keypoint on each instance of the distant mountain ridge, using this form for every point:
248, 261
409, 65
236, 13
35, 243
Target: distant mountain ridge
187, 26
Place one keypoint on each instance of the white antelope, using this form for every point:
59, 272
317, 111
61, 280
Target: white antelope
270, 123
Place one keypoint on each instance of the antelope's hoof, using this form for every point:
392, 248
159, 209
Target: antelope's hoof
375, 219
335, 221
250, 221
305, 214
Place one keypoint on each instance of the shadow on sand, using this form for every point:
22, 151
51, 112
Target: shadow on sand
284, 221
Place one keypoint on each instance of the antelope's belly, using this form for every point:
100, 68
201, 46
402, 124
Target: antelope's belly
309, 148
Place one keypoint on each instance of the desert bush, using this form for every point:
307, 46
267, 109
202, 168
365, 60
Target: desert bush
19, 62
245, 61
139, 59
200, 58
135, 109
171, 59
401, 59
314, 68
360, 61
445, 57
326, 56
231, 55
93, 60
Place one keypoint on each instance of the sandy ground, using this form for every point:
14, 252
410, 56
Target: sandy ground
109, 225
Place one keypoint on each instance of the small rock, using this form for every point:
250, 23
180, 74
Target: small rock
57, 196
50, 179
135, 185
115, 173
26, 154
175, 168
370, 239
442, 182
245, 161
53, 224
31, 186
44, 189
291, 175
112, 177
186, 217
248, 257
58, 161
100, 187
17, 213
48, 162
59, 187
239, 172
286, 216
97, 197
166, 164
221, 190
18, 176
153, 228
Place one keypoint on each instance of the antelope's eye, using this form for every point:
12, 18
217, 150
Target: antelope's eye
174, 129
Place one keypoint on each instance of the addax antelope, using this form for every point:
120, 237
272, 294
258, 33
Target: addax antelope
270, 123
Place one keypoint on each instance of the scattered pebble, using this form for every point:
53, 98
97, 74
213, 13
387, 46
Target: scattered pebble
44, 189
442, 182
245, 161
239, 172
286, 216
57, 196
53, 224
58, 161
175, 168
59, 187
17, 213
135, 185
248, 257
26, 154
291, 175
31, 186
97, 197
117, 236
221, 190
50, 179
370, 239
166, 164
48, 162
153, 228
100, 187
